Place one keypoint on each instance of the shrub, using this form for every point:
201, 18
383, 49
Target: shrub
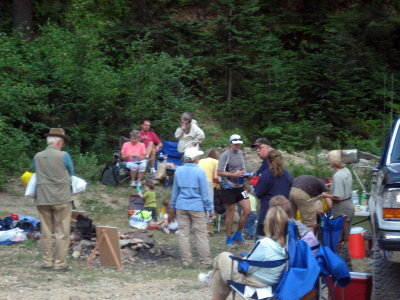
87, 166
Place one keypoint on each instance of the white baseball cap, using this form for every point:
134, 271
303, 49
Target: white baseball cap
235, 139
192, 153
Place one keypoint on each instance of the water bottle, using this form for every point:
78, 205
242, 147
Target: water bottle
355, 198
364, 199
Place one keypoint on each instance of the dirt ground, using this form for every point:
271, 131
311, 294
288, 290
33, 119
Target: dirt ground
147, 278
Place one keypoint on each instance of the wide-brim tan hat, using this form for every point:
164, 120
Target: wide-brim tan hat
59, 132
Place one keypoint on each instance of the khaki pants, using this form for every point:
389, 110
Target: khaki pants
197, 222
222, 272
308, 209
55, 219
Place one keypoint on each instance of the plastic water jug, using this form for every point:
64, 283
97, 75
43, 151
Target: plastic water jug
355, 198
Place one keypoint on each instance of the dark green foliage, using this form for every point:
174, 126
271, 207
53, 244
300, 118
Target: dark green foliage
305, 74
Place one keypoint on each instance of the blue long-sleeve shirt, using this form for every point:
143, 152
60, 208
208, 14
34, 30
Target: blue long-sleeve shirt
190, 190
269, 186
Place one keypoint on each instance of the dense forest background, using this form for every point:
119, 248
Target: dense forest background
304, 73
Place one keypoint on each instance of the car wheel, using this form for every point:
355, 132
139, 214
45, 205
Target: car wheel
386, 277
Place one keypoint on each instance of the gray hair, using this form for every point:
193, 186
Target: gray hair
134, 133
53, 139
187, 116
190, 160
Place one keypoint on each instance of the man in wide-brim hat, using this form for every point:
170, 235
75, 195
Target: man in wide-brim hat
53, 199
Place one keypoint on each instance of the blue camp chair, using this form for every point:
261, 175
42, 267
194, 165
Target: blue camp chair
170, 149
301, 272
332, 230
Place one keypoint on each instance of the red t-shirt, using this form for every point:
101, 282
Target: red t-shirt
133, 150
149, 136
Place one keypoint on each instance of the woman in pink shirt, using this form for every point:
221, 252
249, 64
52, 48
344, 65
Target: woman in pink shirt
134, 153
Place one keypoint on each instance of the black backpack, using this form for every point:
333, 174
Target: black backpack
110, 175
219, 206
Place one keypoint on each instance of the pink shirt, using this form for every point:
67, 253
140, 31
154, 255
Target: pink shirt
133, 150
149, 136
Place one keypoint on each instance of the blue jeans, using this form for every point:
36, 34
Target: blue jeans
249, 227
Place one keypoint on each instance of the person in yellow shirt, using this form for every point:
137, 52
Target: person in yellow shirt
209, 166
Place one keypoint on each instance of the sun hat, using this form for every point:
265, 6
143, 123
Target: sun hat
58, 132
235, 139
192, 152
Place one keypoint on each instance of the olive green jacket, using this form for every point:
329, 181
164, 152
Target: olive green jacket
53, 177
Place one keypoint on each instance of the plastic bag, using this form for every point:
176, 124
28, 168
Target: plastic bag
140, 219
8, 235
30, 190
78, 184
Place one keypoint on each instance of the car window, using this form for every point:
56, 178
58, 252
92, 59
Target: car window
395, 157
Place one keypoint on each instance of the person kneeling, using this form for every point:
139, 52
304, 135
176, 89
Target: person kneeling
269, 248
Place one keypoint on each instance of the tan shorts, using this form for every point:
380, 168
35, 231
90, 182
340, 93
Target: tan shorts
308, 209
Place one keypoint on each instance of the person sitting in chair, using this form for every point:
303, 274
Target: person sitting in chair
188, 134
151, 142
269, 248
134, 153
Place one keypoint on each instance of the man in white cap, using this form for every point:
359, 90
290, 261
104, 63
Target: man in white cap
231, 168
191, 200
53, 199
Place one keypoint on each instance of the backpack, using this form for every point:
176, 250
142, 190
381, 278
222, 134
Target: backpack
219, 206
110, 176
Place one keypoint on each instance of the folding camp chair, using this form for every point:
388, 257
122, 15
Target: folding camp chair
116, 172
174, 160
333, 236
301, 272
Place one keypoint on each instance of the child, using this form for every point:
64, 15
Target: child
170, 224
249, 229
149, 198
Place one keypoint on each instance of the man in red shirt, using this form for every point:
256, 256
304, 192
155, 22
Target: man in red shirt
151, 142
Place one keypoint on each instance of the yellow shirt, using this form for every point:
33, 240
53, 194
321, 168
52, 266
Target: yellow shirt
209, 165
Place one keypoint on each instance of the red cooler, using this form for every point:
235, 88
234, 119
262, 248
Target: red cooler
360, 288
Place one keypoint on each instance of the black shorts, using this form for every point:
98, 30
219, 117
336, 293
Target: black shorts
233, 196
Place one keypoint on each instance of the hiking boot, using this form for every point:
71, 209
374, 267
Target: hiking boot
205, 278
133, 183
237, 237
65, 269
229, 240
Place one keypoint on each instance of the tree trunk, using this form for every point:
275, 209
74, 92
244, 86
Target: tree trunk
23, 18
229, 87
